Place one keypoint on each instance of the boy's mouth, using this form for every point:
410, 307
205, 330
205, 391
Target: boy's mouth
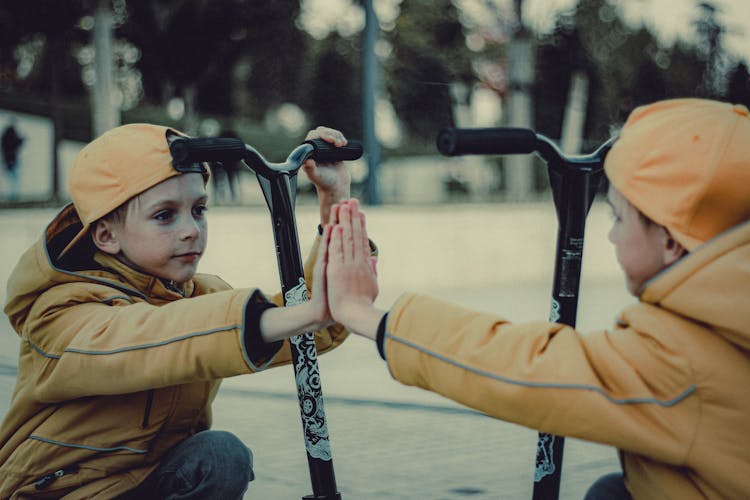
188, 257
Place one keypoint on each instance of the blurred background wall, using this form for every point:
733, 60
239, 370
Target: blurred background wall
268, 71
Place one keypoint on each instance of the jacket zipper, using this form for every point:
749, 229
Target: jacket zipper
50, 478
171, 285
147, 412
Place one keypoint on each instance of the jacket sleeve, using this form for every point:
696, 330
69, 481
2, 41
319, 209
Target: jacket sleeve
98, 341
625, 388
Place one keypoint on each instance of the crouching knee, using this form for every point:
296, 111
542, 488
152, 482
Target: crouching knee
228, 460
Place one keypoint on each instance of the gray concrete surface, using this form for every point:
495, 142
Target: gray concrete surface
388, 440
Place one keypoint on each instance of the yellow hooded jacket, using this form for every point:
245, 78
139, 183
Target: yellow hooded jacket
115, 368
668, 386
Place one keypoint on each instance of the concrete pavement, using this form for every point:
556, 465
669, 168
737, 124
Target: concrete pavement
388, 440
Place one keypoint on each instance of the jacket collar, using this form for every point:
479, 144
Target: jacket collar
148, 285
710, 285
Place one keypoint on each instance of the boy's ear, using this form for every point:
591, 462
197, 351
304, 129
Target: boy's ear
673, 249
105, 238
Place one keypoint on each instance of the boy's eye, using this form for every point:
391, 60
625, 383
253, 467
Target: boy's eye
200, 210
163, 215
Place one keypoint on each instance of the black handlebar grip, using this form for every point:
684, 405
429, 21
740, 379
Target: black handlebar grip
486, 141
325, 152
185, 151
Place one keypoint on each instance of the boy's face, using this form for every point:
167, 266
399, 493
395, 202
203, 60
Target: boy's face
641, 246
165, 230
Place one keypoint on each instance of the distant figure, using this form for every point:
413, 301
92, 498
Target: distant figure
225, 175
11, 144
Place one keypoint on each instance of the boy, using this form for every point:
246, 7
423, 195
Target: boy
124, 344
668, 385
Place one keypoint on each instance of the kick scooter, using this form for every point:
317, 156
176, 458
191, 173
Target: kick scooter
278, 182
574, 181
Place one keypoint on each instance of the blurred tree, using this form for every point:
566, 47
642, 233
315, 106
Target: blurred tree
335, 95
429, 55
627, 67
38, 37
683, 70
738, 88
591, 40
518, 172
276, 51
190, 48
649, 84
711, 51
181, 44
105, 105
559, 55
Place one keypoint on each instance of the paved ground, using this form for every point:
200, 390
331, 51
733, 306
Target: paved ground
388, 441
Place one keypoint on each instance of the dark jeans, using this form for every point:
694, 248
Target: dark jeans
608, 487
210, 464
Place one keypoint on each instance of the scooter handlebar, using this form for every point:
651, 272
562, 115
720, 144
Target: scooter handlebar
213, 149
486, 141
325, 152
207, 149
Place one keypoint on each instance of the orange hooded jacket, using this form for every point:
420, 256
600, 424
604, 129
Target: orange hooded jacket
667, 386
115, 368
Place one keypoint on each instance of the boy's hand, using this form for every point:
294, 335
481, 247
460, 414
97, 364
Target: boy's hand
319, 298
351, 276
332, 180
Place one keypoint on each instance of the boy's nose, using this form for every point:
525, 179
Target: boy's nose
190, 228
